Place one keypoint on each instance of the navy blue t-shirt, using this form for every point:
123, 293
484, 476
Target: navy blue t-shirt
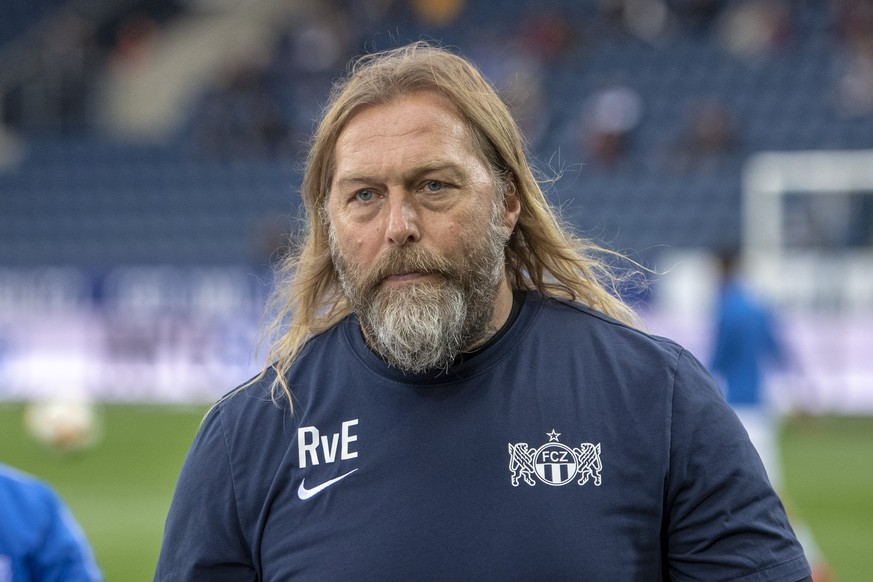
573, 448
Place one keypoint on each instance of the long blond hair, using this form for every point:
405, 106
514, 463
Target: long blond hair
542, 254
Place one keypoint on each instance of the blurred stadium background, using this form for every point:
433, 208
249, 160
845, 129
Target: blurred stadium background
150, 154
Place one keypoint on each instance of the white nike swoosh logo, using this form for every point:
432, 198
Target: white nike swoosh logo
303, 493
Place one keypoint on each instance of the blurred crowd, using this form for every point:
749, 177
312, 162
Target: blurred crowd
265, 107
645, 109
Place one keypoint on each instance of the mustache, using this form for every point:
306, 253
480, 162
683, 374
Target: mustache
401, 260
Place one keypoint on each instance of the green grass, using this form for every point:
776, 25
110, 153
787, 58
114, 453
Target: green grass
828, 464
120, 490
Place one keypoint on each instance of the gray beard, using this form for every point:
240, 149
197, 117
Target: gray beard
425, 326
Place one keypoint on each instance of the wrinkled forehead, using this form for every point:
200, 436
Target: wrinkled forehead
412, 111
405, 104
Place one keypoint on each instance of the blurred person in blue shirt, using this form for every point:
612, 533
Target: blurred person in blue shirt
746, 345
745, 339
40, 540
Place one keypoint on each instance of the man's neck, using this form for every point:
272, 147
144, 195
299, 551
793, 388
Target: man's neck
515, 308
502, 309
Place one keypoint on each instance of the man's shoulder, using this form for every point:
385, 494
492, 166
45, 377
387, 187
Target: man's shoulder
263, 402
254, 403
561, 314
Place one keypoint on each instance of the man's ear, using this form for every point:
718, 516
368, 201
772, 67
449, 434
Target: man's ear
511, 208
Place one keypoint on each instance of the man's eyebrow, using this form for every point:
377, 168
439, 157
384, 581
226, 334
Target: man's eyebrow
435, 166
349, 179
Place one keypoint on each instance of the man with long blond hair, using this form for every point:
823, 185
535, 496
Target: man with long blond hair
454, 389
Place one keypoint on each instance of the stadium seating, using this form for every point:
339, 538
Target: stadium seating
88, 200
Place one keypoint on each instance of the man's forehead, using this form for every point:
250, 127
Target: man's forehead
414, 114
421, 133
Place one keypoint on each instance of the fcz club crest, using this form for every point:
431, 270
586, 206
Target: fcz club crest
554, 463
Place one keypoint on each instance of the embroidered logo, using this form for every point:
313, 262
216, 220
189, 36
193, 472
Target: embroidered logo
554, 463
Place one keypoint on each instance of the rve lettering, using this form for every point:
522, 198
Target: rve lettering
309, 441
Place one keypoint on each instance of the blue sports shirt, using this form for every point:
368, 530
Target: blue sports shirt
573, 448
40, 540
745, 342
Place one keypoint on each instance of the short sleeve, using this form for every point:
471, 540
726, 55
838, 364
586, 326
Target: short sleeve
203, 538
724, 520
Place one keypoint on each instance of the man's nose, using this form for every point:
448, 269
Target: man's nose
402, 225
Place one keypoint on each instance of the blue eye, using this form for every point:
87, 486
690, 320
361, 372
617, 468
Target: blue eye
433, 185
364, 195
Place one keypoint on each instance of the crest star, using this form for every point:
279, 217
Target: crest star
553, 436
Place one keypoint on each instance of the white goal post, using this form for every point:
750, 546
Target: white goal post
805, 277
824, 290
